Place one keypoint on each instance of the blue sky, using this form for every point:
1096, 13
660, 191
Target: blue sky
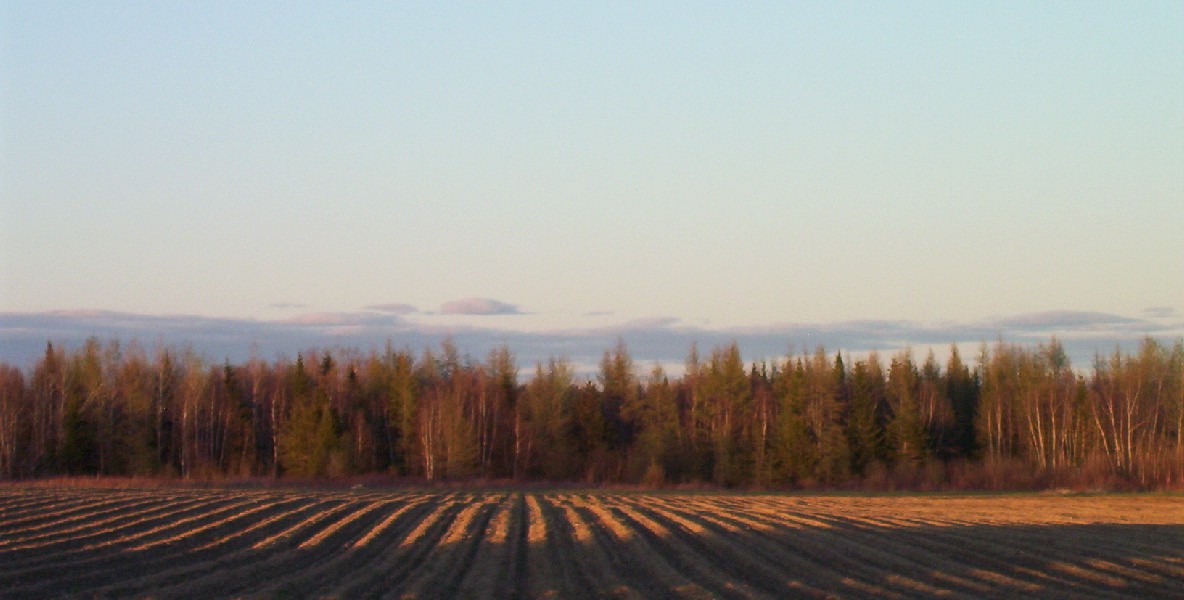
541, 168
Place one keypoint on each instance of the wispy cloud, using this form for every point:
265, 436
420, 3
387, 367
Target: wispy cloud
641, 324
340, 319
394, 309
1065, 320
478, 306
1160, 312
659, 339
286, 305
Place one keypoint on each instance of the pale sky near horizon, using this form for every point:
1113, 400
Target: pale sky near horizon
723, 164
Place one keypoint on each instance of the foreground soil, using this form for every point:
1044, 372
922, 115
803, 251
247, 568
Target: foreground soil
202, 543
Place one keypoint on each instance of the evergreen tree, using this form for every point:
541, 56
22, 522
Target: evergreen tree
309, 441
547, 414
906, 430
793, 454
728, 397
962, 390
402, 409
654, 417
865, 423
620, 390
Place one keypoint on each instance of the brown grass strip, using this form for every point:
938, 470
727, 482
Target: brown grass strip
86, 513
579, 528
885, 561
330, 566
305, 525
646, 561
1123, 571
459, 530
977, 545
263, 524
408, 550
34, 504
341, 523
493, 572
111, 526
217, 560
174, 524
950, 550
303, 569
83, 563
918, 545
498, 531
536, 532
1087, 574
452, 555
139, 543
194, 531
680, 542
54, 528
781, 550
123, 568
1171, 573
714, 558
57, 510
738, 556
386, 523
426, 525
921, 546
577, 561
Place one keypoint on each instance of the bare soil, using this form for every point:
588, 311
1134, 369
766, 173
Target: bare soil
164, 542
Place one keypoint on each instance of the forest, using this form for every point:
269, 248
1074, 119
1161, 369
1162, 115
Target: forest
1014, 417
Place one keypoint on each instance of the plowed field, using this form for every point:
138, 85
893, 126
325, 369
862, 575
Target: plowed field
200, 543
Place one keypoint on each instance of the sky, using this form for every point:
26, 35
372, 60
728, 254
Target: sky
549, 175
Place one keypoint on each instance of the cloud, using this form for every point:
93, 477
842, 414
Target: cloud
85, 313
394, 309
660, 339
1159, 312
478, 306
642, 324
339, 319
1063, 319
286, 305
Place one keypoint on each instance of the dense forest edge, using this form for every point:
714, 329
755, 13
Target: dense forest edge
1018, 418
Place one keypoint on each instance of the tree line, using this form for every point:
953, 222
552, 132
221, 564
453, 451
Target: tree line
1017, 416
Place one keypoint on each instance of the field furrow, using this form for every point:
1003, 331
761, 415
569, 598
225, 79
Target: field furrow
288, 572
1023, 555
92, 543
18, 507
452, 556
691, 559
156, 567
933, 569
66, 511
77, 530
793, 545
498, 570
647, 569
574, 553
740, 556
289, 543
101, 568
360, 564
345, 566
409, 550
215, 557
